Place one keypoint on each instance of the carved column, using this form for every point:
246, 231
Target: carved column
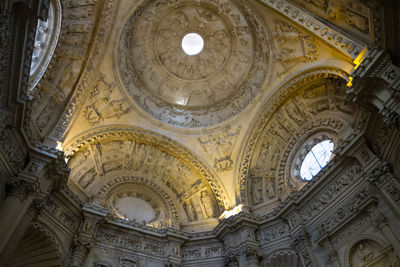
84, 239
252, 257
301, 242
332, 254
377, 83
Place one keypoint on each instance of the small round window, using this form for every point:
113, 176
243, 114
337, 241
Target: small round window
316, 159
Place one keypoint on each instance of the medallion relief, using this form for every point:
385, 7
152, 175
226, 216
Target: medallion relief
193, 90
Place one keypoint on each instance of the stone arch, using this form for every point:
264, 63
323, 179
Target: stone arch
39, 246
179, 160
107, 190
267, 112
364, 250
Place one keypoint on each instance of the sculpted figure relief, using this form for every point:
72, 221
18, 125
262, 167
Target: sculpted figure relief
193, 91
295, 46
292, 119
352, 15
103, 107
207, 204
219, 147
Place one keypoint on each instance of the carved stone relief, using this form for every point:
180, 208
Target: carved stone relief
296, 120
368, 252
353, 16
65, 65
193, 91
294, 45
103, 158
102, 106
219, 147
144, 154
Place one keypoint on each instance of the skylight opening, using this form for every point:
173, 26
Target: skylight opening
192, 44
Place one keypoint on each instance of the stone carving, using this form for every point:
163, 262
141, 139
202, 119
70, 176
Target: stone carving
295, 46
200, 90
275, 131
219, 147
101, 105
354, 14
207, 204
302, 245
61, 73
69, 58
274, 232
127, 263
191, 253
257, 191
190, 213
368, 252
263, 188
345, 211
270, 188
186, 169
331, 192
65, 216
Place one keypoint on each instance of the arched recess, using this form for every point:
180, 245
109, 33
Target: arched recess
309, 106
114, 156
85, 31
37, 248
368, 250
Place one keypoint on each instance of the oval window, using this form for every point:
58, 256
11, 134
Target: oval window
316, 159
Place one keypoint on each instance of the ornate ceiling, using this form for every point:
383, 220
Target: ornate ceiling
200, 90
185, 137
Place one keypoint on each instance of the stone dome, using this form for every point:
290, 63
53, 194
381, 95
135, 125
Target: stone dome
200, 90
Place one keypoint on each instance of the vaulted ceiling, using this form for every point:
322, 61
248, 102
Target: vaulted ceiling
196, 133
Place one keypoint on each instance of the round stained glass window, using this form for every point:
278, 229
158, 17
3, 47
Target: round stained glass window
316, 159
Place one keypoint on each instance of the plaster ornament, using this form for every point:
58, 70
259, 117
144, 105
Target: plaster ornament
193, 90
294, 46
220, 147
101, 105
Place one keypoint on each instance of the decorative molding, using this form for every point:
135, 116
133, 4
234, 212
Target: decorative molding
347, 45
147, 137
220, 147
265, 114
200, 91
